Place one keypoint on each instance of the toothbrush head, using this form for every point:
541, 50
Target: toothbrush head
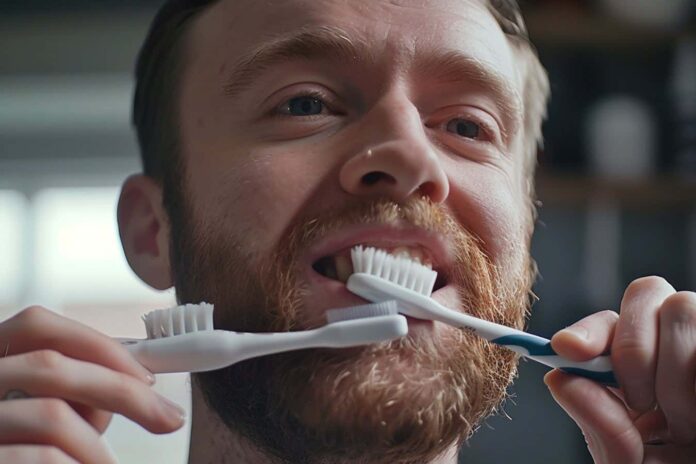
183, 319
385, 308
400, 270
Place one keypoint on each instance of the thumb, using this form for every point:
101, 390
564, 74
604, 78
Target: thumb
587, 338
604, 420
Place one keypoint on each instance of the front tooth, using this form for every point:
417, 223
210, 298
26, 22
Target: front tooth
417, 255
344, 268
414, 254
401, 252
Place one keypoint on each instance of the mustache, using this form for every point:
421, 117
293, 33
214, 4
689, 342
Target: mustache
418, 213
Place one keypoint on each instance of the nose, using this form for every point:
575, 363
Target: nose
397, 159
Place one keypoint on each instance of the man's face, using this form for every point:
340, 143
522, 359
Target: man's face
387, 123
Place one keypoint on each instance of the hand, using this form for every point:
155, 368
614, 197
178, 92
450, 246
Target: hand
60, 382
652, 418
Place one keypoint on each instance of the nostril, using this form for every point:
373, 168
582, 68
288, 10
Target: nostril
428, 189
371, 178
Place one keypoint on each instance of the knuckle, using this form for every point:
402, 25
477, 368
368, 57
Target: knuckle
123, 389
608, 315
645, 284
45, 359
55, 411
627, 349
679, 308
32, 315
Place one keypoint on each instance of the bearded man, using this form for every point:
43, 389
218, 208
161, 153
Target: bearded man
277, 135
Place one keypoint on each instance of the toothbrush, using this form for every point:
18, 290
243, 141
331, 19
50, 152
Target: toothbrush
379, 276
182, 339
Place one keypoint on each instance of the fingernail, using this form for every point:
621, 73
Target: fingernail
173, 410
656, 438
577, 331
147, 376
546, 379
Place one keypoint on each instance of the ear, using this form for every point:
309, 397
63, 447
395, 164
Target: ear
144, 229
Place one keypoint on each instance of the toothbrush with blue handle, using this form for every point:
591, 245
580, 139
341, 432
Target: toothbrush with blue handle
378, 276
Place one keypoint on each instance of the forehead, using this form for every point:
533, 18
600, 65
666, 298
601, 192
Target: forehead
396, 30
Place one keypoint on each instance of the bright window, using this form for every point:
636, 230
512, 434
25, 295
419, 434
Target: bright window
78, 253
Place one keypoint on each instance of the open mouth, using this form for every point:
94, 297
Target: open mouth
339, 265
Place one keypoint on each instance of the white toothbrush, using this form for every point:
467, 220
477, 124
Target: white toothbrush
379, 276
182, 339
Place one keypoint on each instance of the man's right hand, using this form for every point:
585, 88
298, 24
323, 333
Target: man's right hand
60, 383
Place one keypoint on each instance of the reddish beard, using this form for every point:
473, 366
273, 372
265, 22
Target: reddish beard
406, 401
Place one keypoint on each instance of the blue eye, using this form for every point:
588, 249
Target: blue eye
304, 106
464, 128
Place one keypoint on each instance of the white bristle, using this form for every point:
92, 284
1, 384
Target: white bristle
385, 308
176, 321
400, 270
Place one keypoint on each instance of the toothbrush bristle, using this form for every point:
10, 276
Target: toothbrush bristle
400, 270
180, 320
385, 308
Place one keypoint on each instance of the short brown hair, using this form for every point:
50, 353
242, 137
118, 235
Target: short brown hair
161, 59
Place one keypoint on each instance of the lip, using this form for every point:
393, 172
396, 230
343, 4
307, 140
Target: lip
381, 237
328, 293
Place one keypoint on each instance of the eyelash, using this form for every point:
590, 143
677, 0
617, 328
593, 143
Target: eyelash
321, 96
487, 129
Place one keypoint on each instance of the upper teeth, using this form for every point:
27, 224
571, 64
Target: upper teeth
343, 267
413, 253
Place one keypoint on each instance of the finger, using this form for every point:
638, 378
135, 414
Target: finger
38, 328
635, 345
652, 426
676, 367
34, 454
600, 415
587, 338
97, 418
51, 422
50, 374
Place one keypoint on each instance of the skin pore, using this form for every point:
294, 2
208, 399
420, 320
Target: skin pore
383, 122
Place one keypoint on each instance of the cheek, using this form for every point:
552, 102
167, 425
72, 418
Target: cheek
490, 203
257, 195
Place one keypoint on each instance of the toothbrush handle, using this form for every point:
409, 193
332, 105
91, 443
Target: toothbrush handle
530, 346
192, 352
539, 349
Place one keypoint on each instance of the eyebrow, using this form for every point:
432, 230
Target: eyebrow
455, 67
329, 43
333, 44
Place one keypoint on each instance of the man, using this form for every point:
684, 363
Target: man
276, 135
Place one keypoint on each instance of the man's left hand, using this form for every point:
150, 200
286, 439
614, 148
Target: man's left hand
652, 418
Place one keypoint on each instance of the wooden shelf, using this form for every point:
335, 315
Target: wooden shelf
665, 192
567, 27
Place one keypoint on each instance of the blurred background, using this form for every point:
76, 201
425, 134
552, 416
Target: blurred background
617, 183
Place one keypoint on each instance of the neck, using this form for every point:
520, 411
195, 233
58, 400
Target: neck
213, 442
